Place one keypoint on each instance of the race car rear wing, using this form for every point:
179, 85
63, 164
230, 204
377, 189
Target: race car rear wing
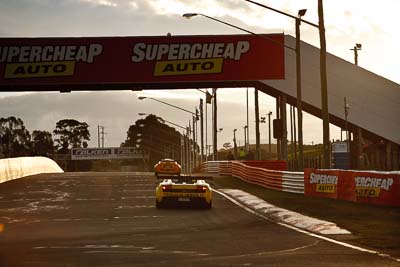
186, 177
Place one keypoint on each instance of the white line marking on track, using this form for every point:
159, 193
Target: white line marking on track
306, 232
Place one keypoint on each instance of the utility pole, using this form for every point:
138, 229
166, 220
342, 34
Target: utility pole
234, 143
215, 149
194, 143
299, 96
101, 134
324, 86
201, 129
189, 150
98, 136
245, 134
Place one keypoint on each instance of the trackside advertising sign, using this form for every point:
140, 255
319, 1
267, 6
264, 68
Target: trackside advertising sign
377, 188
106, 153
129, 60
382, 188
321, 183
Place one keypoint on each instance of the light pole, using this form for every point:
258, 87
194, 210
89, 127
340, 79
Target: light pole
201, 130
165, 103
172, 123
163, 120
201, 106
215, 149
190, 15
301, 13
100, 136
100, 132
323, 75
174, 106
218, 131
298, 19
324, 86
356, 48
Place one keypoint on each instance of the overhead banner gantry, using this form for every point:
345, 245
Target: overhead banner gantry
57, 63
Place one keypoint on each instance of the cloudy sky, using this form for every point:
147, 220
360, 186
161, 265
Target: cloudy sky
373, 24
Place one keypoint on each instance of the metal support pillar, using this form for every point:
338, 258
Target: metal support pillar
257, 115
278, 140
388, 156
284, 127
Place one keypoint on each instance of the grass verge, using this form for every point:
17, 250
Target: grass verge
375, 227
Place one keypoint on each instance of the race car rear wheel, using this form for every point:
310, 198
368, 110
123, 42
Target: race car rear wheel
208, 205
159, 205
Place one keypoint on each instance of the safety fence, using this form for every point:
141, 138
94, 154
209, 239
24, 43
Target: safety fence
371, 187
269, 174
14, 168
211, 167
293, 182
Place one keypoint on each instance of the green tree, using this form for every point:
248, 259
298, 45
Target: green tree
155, 137
70, 133
15, 140
42, 143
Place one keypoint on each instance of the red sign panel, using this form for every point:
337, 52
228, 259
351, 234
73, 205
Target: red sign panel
129, 60
377, 188
321, 183
358, 186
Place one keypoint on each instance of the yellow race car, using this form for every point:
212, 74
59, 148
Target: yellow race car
184, 190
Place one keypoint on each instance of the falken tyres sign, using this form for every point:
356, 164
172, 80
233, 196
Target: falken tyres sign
106, 153
116, 60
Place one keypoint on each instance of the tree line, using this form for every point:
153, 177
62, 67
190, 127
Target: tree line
17, 141
150, 134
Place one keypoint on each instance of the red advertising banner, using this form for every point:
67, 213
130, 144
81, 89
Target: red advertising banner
130, 60
381, 188
321, 183
377, 188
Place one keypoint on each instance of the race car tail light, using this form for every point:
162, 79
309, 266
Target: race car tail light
202, 188
166, 187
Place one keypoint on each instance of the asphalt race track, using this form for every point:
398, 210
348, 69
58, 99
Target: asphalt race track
110, 219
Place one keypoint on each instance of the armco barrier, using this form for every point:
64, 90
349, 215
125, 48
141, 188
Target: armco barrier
293, 182
277, 165
225, 168
14, 168
211, 167
265, 178
257, 172
371, 187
